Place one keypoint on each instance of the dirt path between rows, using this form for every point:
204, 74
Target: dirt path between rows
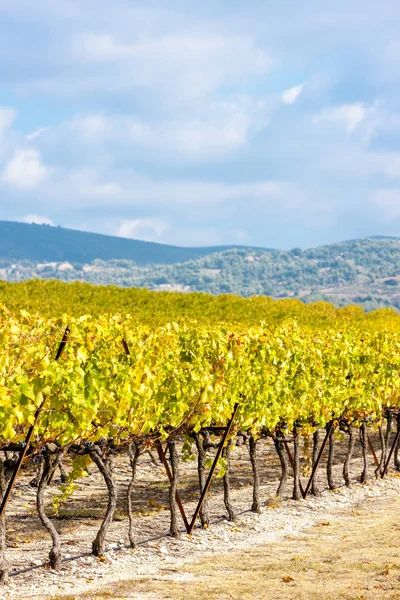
347, 549
343, 545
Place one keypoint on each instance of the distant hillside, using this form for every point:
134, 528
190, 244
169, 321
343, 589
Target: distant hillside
364, 271
42, 243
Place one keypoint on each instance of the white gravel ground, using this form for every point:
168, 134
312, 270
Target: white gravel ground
166, 555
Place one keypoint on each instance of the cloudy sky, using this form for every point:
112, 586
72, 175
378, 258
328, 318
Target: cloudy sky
274, 124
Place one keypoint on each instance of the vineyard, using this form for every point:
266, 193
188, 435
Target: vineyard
79, 390
56, 298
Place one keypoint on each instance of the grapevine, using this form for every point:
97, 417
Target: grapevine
122, 385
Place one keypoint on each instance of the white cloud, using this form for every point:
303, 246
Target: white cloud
175, 51
100, 48
212, 132
201, 193
143, 229
37, 219
92, 127
290, 96
90, 184
89, 188
348, 115
226, 127
25, 170
183, 66
37, 133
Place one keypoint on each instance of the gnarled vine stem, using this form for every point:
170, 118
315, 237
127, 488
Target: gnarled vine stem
104, 464
52, 457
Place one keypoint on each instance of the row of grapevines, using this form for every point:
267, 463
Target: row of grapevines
185, 377
54, 298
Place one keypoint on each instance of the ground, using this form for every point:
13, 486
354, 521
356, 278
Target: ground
343, 544
355, 555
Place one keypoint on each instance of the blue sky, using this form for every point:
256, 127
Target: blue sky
274, 124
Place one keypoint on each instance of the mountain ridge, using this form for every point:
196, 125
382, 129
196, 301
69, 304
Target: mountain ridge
39, 243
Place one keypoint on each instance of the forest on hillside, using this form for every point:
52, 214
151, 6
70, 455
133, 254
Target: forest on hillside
365, 272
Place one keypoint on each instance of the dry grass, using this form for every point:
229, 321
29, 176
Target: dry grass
356, 557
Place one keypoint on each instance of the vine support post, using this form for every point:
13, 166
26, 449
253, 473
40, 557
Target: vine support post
212, 470
315, 467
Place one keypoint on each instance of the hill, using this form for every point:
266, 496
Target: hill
362, 271
41, 243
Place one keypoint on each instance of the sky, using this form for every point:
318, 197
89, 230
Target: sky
272, 124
